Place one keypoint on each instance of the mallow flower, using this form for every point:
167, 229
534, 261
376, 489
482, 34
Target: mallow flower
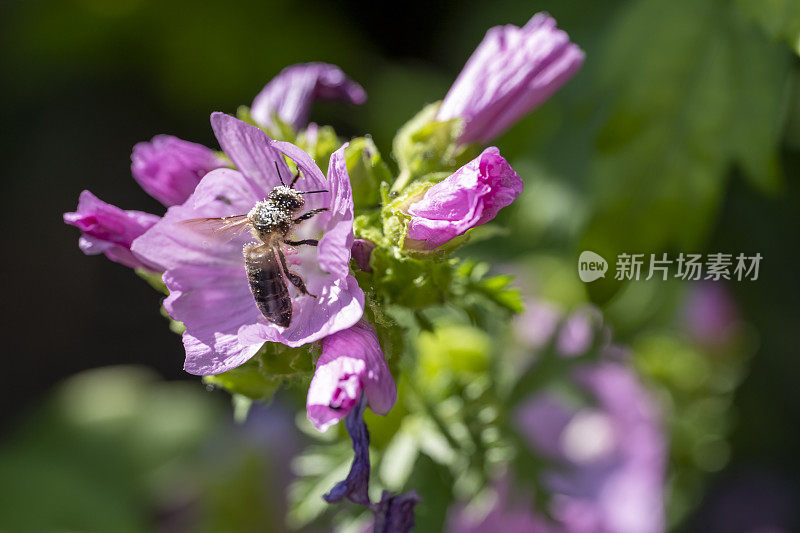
206, 277
107, 229
513, 71
289, 95
471, 196
351, 363
169, 168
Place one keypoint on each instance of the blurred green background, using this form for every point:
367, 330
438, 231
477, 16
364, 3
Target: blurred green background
680, 134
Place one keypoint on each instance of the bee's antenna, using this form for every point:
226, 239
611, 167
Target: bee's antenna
279, 174
311, 192
296, 176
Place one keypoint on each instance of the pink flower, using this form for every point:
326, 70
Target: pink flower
209, 289
351, 362
169, 168
290, 94
611, 453
107, 229
472, 196
511, 73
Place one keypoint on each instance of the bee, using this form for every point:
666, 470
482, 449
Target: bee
270, 222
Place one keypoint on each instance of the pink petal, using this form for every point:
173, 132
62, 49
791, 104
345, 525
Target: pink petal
351, 362
251, 151
172, 243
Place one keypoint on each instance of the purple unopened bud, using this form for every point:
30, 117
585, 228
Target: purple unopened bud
395, 514
472, 196
169, 168
351, 363
107, 229
361, 253
513, 71
356, 486
289, 95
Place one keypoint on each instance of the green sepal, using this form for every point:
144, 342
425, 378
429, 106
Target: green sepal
320, 146
425, 145
273, 365
153, 279
410, 282
243, 114
367, 171
280, 130
279, 361
174, 326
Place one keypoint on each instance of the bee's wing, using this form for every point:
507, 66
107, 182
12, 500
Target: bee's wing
220, 229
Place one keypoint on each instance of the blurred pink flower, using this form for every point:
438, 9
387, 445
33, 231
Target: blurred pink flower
289, 95
612, 453
710, 314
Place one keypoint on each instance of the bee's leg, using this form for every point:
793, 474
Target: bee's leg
310, 242
308, 215
296, 280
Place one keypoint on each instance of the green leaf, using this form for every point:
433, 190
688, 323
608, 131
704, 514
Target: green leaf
470, 280
692, 88
779, 18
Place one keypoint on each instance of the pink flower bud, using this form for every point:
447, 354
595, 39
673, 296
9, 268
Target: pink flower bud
109, 230
169, 169
351, 362
513, 71
471, 196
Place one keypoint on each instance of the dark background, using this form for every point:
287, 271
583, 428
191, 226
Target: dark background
83, 81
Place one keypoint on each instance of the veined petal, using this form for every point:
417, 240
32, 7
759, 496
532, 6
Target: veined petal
251, 151
471, 196
339, 304
290, 94
512, 71
212, 302
169, 168
336, 245
109, 230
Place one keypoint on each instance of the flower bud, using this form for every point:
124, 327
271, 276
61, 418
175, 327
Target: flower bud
351, 362
109, 230
290, 94
169, 168
471, 196
361, 252
513, 71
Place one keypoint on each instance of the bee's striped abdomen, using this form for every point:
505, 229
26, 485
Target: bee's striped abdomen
267, 284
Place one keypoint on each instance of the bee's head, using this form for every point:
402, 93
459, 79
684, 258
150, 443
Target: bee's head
286, 198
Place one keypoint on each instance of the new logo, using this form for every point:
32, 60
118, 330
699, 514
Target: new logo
591, 266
